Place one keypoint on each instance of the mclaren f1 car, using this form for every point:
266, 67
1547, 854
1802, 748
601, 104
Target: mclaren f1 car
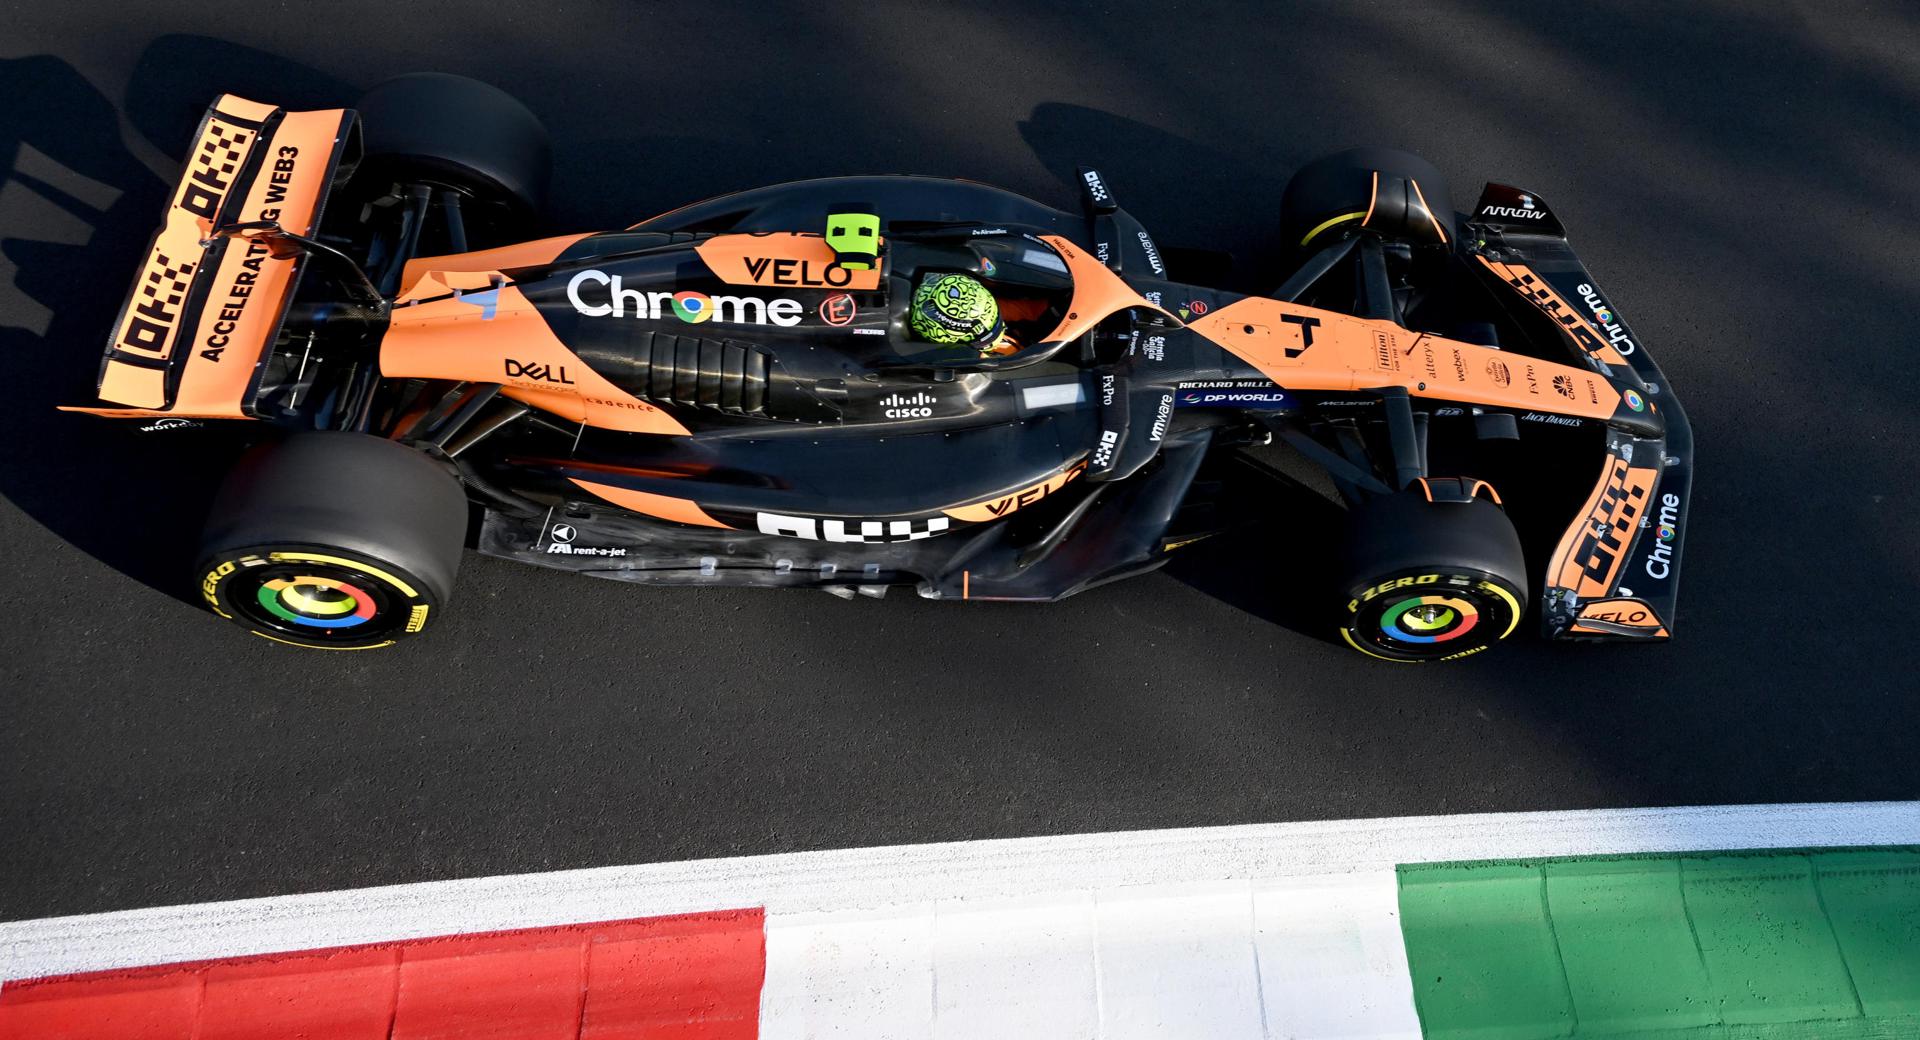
732, 394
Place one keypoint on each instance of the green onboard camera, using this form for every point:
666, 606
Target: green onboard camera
855, 238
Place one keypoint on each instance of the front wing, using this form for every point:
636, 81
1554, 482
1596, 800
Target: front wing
1615, 571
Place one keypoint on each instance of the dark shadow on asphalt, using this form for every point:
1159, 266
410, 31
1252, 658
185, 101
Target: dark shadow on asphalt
133, 500
128, 500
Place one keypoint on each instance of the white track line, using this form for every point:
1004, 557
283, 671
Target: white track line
890, 881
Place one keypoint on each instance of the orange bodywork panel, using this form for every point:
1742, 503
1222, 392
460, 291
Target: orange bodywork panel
1473, 490
666, 507
1098, 293
1629, 613
1003, 505
537, 253
1305, 348
145, 388
1438, 228
486, 331
1590, 554
786, 259
240, 287
1574, 325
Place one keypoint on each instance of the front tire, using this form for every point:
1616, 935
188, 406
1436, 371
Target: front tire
1431, 581
336, 541
1395, 194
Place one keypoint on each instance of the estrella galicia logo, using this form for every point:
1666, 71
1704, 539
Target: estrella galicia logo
839, 309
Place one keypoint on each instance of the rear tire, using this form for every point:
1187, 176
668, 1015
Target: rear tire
1431, 581
460, 133
337, 541
1337, 193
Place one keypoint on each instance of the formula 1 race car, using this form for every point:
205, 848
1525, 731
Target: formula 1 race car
731, 393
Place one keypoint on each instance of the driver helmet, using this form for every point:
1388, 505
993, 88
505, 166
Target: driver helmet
955, 309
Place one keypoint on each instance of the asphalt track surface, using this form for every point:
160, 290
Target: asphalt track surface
1738, 178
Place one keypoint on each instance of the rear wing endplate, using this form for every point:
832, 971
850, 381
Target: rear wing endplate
195, 330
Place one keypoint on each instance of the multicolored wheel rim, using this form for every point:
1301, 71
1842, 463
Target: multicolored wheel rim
1435, 616
1429, 619
315, 601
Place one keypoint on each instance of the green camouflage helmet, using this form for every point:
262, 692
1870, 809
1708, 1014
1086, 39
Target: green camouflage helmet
954, 308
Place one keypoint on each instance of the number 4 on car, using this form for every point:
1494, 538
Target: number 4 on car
837, 384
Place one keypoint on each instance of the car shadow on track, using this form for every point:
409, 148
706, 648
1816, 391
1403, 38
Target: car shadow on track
1155, 175
79, 206
1276, 557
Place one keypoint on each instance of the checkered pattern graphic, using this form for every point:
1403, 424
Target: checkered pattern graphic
156, 305
1540, 297
166, 284
212, 170
1543, 297
220, 154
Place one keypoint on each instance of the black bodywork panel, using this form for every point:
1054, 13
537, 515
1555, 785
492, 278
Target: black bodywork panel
829, 448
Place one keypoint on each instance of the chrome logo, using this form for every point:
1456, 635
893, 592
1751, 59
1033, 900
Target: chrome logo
1635, 401
1666, 532
692, 307
316, 602
1429, 619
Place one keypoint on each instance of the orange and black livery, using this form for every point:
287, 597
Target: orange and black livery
731, 394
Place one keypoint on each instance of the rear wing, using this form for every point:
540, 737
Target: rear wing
1615, 573
193, 335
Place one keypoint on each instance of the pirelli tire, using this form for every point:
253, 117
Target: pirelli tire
1430, 581
335, 541
457, 132
1388, 192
